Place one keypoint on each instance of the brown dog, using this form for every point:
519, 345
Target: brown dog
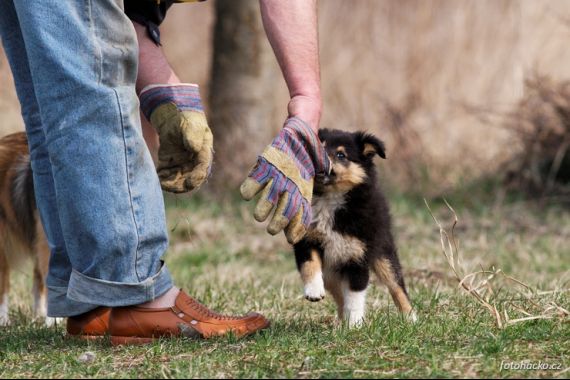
21, 232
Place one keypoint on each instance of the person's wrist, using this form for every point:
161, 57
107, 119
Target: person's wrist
307, 108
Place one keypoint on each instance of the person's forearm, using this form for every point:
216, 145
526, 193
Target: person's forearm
291, 28
153, 66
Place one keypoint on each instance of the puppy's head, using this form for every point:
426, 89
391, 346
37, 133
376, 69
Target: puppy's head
352, 158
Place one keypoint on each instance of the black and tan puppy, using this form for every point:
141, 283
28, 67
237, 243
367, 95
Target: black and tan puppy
351, 230
21, 233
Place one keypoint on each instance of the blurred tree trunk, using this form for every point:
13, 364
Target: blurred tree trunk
241, 87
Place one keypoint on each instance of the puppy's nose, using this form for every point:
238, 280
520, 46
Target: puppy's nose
323, 178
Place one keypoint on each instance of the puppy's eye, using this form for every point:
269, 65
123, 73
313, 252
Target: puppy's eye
340, 155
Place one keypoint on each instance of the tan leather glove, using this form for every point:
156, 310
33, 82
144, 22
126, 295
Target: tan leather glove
186, 142
284, 175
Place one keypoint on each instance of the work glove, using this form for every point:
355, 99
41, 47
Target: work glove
284, 175
186, 142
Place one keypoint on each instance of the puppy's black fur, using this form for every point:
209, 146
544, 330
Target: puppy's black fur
351, 230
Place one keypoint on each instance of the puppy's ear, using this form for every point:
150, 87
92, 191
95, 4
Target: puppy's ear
323, 134
371, 145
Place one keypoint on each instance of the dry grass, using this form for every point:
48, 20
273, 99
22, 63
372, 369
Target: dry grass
484, 285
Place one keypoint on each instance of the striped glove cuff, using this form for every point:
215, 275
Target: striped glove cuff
186, 97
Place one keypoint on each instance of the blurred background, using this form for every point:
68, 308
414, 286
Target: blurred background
460, 91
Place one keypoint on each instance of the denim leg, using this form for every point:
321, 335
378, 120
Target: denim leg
13, 44
82, 58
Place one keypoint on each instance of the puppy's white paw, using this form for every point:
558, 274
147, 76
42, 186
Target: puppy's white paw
355, 320
354, 306
315, 289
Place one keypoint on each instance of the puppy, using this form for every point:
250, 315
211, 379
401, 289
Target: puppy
351, 230
21, 233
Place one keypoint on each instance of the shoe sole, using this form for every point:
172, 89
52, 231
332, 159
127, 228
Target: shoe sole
131, 340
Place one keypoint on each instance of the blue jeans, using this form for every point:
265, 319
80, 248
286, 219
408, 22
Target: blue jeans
75, 64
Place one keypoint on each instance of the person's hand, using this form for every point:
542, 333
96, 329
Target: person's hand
284, 175
186, 150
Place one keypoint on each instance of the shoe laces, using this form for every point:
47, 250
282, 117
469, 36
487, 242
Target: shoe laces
203, 310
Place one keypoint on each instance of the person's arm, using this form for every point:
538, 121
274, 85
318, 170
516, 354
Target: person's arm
285, 170
291, 28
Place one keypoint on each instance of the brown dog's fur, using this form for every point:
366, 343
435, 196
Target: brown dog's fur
21, 233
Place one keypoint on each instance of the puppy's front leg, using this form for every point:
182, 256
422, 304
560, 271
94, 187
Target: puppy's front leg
311, 269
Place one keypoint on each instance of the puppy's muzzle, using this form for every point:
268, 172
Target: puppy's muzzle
323, 180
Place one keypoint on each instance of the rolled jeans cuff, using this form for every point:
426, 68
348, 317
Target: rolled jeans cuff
61, 306
114, 294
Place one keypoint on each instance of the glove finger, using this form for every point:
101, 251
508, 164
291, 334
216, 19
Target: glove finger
279, 220
209, 143
296, 230
249, 188
194, 126
172, 181
264, 205
198, 174
168, 172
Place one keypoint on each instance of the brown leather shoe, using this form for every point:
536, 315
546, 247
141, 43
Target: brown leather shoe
138, 325
91, 325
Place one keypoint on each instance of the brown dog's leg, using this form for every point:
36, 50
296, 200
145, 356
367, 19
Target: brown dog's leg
4, 286
41, 266
39, 288
394, 280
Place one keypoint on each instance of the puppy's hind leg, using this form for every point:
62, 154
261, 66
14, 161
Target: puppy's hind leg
354, 283
389, 272
310, 267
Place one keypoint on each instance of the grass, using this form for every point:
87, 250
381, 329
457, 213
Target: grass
226, 260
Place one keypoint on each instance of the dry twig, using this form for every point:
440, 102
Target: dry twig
480, 285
